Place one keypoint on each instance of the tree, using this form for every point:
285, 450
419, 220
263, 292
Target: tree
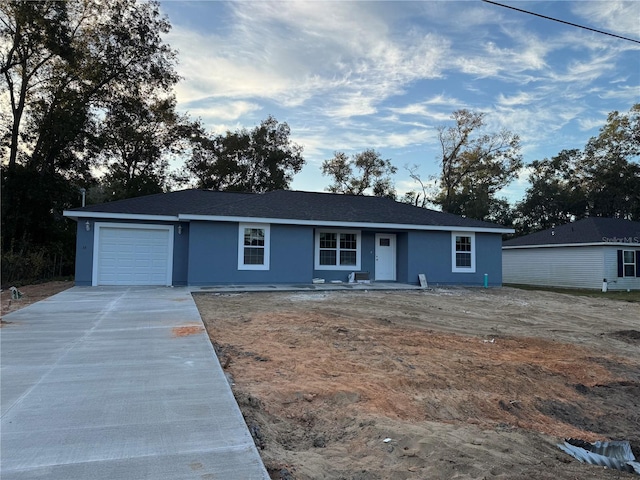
64, 64
34, 35
610, 169
365, 172
556, 194
422, 197
135, 140
601, 180
260, 160
474, 165
68, 60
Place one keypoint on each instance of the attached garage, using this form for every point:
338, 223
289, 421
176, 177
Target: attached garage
132, 254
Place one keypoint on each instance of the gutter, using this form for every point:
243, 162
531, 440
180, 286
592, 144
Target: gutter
332, 223
592, 244
75, 215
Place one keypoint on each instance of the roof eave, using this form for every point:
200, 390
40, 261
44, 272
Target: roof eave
592, 244
75, 215
331, 223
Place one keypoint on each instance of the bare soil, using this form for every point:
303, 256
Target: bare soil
31, 294
443, 384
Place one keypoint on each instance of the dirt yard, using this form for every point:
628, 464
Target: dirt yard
31, 294
443, 384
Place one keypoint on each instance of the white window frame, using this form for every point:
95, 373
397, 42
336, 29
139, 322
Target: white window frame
454, 267
241, 246
633, 262
350, 268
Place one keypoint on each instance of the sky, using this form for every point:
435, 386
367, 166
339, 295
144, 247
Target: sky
351, 75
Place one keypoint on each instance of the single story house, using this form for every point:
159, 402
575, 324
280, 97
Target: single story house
582, 254
200, 237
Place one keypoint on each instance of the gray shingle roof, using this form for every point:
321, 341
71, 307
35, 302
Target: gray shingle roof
286, 204
172, 204
587, 230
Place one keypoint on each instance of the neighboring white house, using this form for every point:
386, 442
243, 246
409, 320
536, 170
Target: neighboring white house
581, 254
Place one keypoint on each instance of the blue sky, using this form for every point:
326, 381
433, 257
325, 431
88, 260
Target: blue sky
347, 76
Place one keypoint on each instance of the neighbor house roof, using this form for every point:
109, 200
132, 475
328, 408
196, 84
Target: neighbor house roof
293, 206
586, 231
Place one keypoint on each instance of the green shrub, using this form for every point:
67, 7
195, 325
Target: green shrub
29, 264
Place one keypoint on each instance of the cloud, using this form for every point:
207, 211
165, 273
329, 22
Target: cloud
422, 110
291, 53
223, 110
487, 59
404, 139
437, 108
628, 93
316, 147
616, 16
581, 72
212, 70
351, 104
521, 98
590, 123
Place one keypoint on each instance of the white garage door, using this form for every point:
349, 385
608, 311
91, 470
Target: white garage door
133, 255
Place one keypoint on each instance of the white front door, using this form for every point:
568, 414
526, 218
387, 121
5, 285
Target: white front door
385, 256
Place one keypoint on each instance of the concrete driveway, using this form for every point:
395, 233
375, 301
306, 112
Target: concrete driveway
117, 383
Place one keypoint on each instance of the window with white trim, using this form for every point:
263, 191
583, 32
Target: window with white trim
463, 251
629, 263
253, 247
337, 250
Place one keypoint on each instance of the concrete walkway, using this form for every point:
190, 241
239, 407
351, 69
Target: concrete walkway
308, 287
117, 383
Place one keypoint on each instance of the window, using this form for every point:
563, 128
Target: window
463, 252
253, 248
629, 263
337, 250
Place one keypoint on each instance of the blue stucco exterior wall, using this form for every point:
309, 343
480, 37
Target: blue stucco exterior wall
181, 254
292, 253
206, 253
84, 254
489, 257
213, 255
402, 255
430, 253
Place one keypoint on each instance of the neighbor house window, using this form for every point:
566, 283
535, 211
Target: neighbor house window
463, 252
253, 248
337, 250
629, 263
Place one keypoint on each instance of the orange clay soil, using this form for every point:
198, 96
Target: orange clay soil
450, 383
186, 330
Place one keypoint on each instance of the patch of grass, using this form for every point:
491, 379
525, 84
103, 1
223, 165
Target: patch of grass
624, 296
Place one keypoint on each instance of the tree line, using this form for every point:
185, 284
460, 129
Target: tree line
90, 104
602, 179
